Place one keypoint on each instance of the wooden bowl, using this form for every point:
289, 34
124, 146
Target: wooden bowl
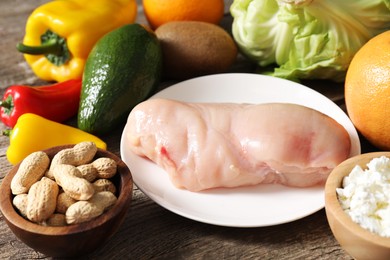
358, 242
72, 240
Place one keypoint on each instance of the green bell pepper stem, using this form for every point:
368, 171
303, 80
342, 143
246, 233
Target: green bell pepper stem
6, 132
5, 104
52, 46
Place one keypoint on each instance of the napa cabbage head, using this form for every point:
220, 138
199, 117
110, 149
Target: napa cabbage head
306, 39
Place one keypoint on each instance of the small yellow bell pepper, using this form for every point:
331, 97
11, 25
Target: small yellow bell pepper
60, 34
35, 133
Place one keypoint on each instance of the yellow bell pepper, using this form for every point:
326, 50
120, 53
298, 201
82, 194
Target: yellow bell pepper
35, 133
60, 34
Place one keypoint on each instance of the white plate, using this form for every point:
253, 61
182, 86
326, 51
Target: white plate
261, 205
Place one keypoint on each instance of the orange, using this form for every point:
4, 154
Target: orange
158, 12
367, 90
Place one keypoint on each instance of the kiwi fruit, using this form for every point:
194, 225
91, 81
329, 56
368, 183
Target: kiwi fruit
194, 48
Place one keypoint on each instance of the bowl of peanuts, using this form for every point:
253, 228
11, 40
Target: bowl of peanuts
66, 201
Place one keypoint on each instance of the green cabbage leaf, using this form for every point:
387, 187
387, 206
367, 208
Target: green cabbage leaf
306, 39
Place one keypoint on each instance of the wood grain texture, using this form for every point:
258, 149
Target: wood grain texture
150, 231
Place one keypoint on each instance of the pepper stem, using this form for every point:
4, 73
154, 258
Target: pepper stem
5, 104
8, 105
50, 47
6, 132
53, 46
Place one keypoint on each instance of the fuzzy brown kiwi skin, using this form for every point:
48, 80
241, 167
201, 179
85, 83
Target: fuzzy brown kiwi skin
192, 48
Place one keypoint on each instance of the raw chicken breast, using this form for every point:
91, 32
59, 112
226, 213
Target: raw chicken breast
203, 146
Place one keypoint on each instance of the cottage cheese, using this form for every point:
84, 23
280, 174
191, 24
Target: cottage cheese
365, 196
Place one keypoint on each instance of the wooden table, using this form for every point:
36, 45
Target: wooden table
150, 231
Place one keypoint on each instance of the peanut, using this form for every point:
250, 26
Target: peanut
49, 174
63, 202
20, 202
88, 172
56, 220
41, 200
31, 169
104, 199
100, 168
106, 167
83, 211
76, 187
81, 153
104, 185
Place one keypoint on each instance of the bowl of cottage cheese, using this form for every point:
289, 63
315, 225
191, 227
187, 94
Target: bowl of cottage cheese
357, 205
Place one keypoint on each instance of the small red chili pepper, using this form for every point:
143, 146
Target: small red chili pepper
57, 102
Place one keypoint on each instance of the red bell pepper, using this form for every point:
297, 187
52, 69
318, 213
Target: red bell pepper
57, 102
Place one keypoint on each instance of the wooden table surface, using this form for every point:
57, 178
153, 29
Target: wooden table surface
150, 231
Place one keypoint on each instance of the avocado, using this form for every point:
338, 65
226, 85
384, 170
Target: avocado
123, 69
